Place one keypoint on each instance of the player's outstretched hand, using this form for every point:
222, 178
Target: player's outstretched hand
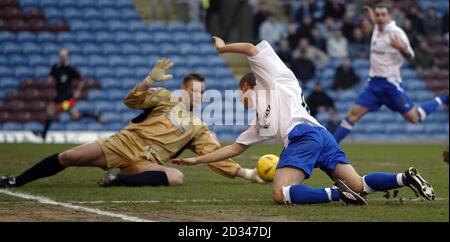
158, 74
185, 161
218, 42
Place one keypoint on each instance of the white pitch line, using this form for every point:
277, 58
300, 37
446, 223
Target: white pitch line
45, 200
230, 200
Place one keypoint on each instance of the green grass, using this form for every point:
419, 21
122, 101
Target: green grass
206, 196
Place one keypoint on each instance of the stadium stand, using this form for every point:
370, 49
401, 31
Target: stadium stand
114, 50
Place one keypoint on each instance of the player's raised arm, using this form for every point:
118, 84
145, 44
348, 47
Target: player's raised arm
224, 153
370, 13
141, 97
158, 74
247, 49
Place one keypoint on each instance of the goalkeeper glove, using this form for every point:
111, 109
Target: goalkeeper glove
158, 74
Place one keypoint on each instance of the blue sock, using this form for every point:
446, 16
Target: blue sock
343, 130
380, 181
431, 106
301, 194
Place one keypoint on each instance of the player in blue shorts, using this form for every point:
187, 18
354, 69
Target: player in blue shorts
282, 114
389, 48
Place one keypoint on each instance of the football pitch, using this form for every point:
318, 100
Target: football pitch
73, 195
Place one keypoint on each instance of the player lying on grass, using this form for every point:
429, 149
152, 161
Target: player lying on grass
141, 149
282, 114
389, 48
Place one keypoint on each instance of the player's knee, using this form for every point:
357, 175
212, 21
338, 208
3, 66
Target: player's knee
69, 158
175, 177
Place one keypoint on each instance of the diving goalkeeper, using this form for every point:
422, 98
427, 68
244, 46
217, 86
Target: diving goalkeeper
151, 139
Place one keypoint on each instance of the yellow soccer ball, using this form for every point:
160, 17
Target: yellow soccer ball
266, 167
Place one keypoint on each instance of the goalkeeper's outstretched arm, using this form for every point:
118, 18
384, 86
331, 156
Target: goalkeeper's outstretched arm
247, 49
158, 74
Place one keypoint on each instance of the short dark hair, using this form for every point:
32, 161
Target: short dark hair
248, 79
385, 5
193, 76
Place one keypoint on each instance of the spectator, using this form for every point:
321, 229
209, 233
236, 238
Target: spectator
411, 33
304, 69
272, 30
347, 28
337, 46
285, 52
359, 47
423, 59
432, 22
345, 76
304, 31
416, 19
334, 9
293, 37
305, 51
317, 40
319, 101
260, 17
327, 28
307, 8
351, 9
398, 16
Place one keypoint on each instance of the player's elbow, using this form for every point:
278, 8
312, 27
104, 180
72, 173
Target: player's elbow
69, 158
251, 50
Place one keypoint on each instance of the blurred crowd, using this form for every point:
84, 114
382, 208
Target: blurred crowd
307, 36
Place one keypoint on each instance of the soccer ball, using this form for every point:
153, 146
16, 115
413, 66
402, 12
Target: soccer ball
266, 167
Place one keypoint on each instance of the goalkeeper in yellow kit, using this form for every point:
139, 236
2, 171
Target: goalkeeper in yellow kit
165, 128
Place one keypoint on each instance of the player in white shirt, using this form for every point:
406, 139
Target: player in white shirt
389, 48
282, 114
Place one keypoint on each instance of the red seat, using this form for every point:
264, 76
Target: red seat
29, 83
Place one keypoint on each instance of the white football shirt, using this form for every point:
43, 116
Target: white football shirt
385, 60
280, 105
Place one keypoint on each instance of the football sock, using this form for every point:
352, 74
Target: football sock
343, 130
47, 124
428, 108
301, 194
148, 178
47, 167
380, 181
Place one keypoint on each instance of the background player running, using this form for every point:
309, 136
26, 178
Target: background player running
389, 48
64, 75
141, 149
273, 90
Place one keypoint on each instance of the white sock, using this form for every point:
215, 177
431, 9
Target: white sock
287, 194
367, 189
247, 174
422, 114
